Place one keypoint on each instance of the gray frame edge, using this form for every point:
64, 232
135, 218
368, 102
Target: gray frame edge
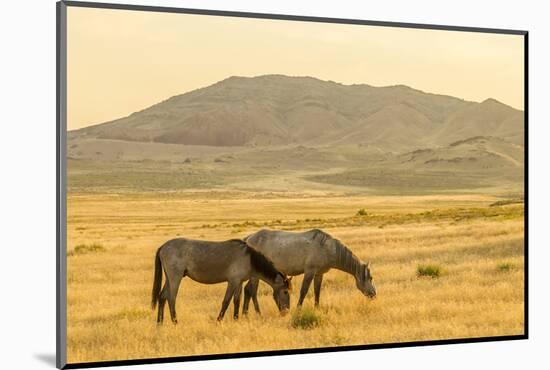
288, 17
61, 191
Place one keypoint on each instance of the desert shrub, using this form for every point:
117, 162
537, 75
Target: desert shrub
432, 271
505, 266
361, 212
87, 248
306, 318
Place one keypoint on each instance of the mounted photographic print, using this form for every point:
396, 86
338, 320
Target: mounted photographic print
238, 184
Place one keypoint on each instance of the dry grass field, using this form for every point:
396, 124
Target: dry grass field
475, 245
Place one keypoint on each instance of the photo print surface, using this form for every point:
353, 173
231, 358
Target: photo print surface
241, 185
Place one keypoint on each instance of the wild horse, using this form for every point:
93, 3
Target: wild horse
311, 253
211, 263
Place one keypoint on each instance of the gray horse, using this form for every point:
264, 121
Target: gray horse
210, 263
311, 253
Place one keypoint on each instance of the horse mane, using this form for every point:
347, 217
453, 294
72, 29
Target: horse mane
321, 236
346, 259
262, 264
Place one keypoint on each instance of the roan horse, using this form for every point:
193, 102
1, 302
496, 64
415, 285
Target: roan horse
210, 263
311, 253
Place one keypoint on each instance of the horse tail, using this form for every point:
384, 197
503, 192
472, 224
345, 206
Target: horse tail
157, 281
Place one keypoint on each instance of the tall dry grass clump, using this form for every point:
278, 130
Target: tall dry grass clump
433, 271
86, 248
306, 318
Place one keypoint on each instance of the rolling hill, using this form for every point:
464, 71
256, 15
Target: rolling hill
480, 152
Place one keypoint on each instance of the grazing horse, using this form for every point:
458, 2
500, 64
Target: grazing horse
211, 263
311, 253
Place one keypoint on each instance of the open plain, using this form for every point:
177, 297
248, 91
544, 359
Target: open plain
475, 240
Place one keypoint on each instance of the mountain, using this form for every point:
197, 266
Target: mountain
280, 110
489, 118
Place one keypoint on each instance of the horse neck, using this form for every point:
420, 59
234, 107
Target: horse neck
346, 261
262, 268
260, 275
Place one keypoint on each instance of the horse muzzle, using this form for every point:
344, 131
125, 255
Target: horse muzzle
284, 311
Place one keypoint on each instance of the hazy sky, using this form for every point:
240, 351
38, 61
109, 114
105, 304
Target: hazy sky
121, 61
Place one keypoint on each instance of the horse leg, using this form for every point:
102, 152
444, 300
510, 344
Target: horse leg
229, 292
237, 301
247, 297
308, 276
255, 296
173, 287
317, 287
251, 292
162, 301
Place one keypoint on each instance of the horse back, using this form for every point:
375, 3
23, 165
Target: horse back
205, 261
291, 252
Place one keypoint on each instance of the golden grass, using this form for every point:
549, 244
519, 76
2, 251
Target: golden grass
109, 315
